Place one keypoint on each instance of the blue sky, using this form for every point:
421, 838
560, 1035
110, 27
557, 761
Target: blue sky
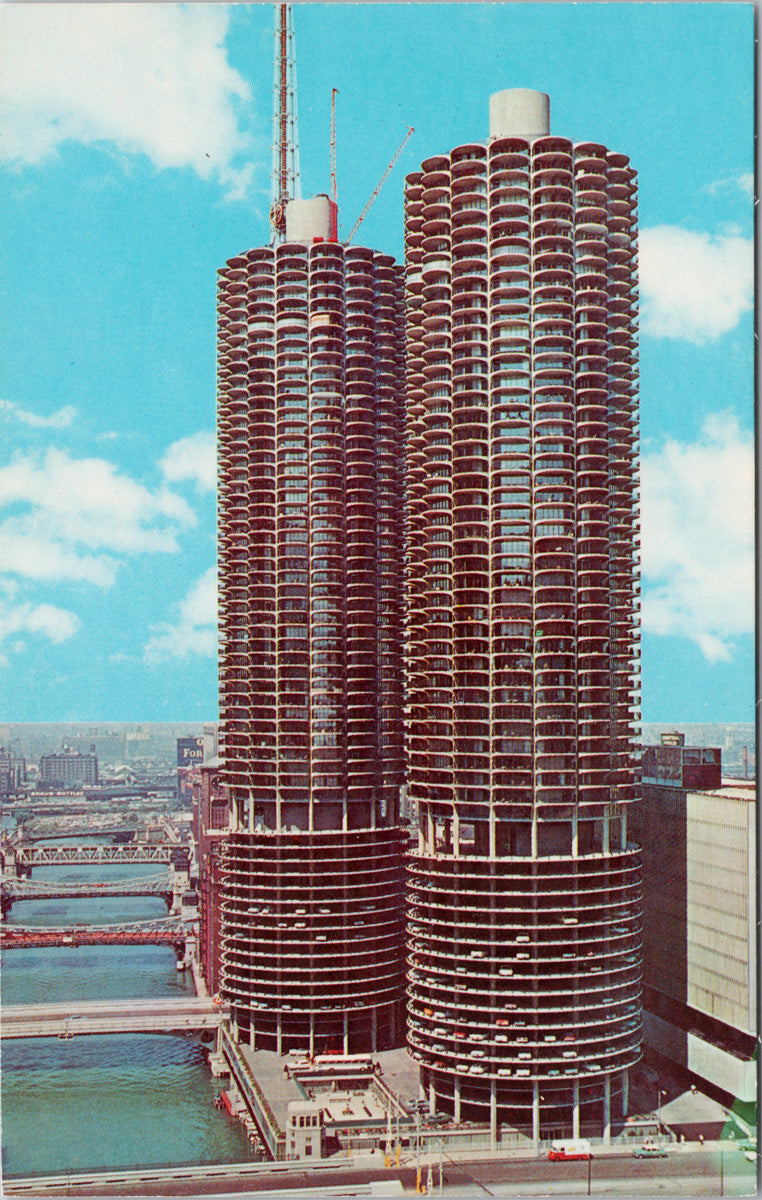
135, 160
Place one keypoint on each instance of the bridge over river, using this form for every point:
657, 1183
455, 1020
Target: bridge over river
161, 884
169, 932
75, 1017
17, 863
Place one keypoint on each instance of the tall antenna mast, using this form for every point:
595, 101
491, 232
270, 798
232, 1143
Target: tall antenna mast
334, 210
285, 183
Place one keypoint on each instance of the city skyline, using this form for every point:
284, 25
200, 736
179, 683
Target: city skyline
107, 518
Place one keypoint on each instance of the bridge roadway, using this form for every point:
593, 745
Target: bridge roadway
169, 932
144, 885
75, 1017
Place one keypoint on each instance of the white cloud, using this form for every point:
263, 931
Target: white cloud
194, 632
56, 624
61, 419
147, 78
193, 457
743, 183
78, 514
698, 538
694, 286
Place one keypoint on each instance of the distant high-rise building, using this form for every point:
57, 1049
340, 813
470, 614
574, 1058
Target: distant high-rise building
521, 580
310, 550
12, 772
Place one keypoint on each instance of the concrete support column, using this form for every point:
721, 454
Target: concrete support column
625, 1093
605, 834
624, 829
312, 1035
345, 815
536, 1114
575, 1110
430, 832
492, 832
432, 1096
534, 845
456, 834
346, 1033
278, 1034
607, 1110
456, 1101
575, 835
277, 815
374, 1029
493, 1114
252, 1035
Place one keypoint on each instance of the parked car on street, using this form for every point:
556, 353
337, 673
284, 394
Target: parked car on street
649, 1150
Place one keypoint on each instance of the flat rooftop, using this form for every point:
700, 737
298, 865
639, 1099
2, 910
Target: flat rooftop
401, 1074
344, 1105
344, 1100
268, 1068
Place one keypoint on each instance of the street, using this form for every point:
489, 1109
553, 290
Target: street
704, 1171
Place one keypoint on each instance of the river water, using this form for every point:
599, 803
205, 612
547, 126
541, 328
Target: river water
113, 1101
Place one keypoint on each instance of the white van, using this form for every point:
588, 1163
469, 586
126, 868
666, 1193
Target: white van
580, 1148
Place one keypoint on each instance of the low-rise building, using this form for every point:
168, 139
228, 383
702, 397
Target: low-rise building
69, 769
211, 813
698, 836
304, 1129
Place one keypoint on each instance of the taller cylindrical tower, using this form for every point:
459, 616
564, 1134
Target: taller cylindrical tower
310, 438
521, 583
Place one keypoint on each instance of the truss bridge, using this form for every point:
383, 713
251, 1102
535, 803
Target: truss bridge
168, 932
161, 884
27, 857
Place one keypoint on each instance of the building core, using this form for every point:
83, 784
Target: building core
524, 935
310, 416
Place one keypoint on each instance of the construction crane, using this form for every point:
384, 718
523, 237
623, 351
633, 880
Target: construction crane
378, 187
284, 177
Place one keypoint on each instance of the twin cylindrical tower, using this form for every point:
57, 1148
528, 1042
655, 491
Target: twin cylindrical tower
310, 454
492, 400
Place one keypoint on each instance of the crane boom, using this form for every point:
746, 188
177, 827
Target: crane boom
378, 187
